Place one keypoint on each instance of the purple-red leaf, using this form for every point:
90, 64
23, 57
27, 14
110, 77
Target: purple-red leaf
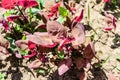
22, 44
64, 67
78, 33
27, 3
56, 31
108, 28
17, 54
5, 25
41, 39
35, 64
12, 17
110, 20
89, 51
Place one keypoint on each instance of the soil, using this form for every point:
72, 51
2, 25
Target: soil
105, 46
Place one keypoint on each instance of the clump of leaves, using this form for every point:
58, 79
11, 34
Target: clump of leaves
55, 35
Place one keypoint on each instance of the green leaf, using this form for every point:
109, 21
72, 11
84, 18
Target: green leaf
61, 19
105, 60
34, 10
118, 68
23, 52
60, 54
12, 43
63, 12
114, 2
18, 28
2, 76
24, 37
41, 71
8, 13
41, 3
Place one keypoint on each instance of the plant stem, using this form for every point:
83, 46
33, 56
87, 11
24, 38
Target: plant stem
30, 11
26, 20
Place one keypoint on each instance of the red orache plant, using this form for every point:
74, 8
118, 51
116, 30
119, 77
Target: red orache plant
57, 34
60, 39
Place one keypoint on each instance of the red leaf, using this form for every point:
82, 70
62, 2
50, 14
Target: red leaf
27, 3
9, 4
79, 18
31, 45
42, 26
108, 28
106, 1
114, 22
54, 10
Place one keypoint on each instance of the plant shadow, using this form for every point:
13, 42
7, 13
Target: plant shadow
114, 8
116, 41
12, 68
73, 74
98, 73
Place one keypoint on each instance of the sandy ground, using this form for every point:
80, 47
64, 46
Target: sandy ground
105, 46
